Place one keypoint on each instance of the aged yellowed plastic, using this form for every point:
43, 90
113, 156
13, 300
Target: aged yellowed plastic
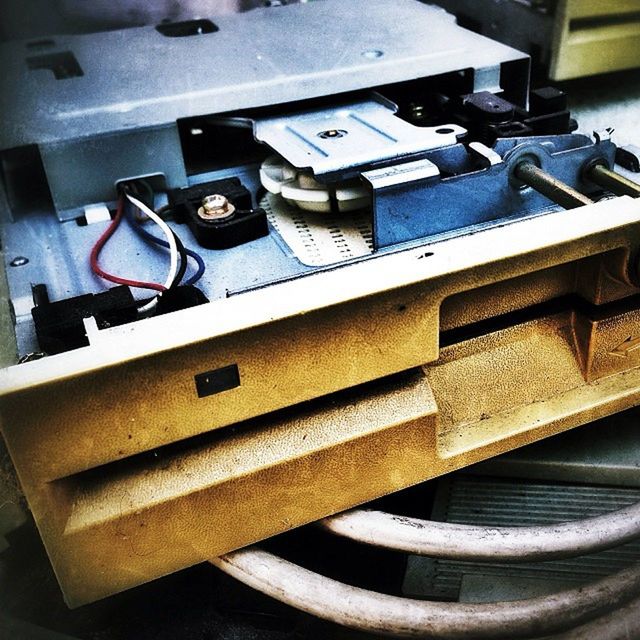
592, 36
130, 475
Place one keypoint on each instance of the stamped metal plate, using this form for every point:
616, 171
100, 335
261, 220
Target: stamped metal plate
335, 139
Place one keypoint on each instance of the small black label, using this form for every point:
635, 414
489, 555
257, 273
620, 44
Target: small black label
217, 380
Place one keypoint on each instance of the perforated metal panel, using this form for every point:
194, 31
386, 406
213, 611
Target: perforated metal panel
319, 239
512, 503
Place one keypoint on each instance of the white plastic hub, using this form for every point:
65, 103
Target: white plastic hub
303, 191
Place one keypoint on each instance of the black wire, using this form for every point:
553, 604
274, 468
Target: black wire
183, 262
182, 269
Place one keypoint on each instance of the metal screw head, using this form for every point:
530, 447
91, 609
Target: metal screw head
19, 261
216, 207
332, 133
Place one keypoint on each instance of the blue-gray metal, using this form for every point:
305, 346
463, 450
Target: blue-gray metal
58, 255
82, 172
405, 209
606, 452
118, 87
481, 500
138, 78
58, 252
333, 142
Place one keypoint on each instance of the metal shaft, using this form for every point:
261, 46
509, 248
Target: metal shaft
551, 187
613, 181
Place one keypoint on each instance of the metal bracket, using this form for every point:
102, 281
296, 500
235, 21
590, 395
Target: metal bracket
406, 207
334, 142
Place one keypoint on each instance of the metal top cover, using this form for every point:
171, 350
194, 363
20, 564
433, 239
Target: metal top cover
138, 78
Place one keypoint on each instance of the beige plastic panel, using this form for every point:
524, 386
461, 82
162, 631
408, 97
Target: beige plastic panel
595, 37
130, 475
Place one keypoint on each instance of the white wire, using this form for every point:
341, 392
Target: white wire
173, 248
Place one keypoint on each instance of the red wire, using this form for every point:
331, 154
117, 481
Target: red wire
99, 245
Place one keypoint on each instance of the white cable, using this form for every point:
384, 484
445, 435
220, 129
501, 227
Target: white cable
403, 617
620, 624
173, 247
487, 543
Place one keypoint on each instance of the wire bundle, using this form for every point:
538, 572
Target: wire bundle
99, 245
178, 254
184, 251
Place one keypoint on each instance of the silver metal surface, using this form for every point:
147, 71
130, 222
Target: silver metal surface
58, 253
419, 204
334, 139
140, 78
606, 452
482, 500
481, 150
523, 24
400, 174
216, 207
82, 172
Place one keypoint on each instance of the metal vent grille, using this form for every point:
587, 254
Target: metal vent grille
495, 502
320, 239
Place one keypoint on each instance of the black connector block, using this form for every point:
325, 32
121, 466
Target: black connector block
177, 298
486, 106
488, 117
60, 327
244, 225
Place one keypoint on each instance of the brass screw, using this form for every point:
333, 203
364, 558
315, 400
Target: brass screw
216, 207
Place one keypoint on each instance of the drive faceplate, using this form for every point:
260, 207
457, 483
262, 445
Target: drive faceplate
118, 504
